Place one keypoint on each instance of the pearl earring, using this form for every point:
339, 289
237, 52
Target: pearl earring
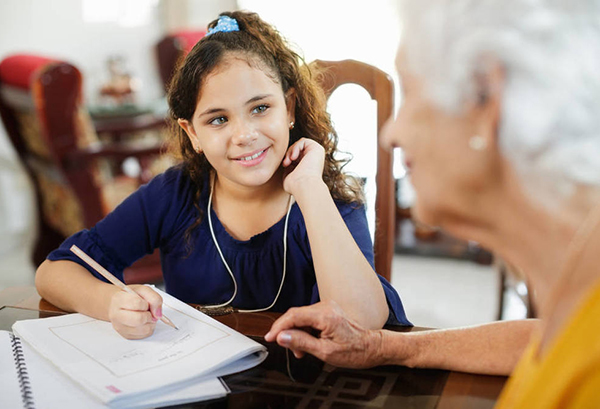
477, 143
292, 125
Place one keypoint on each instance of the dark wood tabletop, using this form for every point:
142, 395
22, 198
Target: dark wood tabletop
282, 381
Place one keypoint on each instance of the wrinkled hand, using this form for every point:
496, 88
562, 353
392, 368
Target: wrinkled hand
134, 317
342, 342
303, 163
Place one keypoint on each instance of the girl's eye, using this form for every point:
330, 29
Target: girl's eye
218, 121
260, 109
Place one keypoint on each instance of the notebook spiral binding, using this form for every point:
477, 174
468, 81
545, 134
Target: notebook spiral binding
24, 384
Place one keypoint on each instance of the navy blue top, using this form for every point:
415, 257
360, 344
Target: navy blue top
157, 216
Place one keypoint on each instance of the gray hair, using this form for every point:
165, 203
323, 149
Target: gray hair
550, 53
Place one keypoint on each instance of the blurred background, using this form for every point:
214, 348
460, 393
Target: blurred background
115, 44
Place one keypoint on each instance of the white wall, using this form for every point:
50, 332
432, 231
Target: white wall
191, 14
56, 28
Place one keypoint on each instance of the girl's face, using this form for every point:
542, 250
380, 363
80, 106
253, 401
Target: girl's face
241, 123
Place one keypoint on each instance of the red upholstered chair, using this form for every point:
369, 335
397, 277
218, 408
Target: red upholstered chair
380, 87
174, 47
42, 110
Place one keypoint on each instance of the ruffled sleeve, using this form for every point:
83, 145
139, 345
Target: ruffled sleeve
136, 227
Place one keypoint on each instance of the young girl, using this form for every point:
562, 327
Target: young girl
257, 216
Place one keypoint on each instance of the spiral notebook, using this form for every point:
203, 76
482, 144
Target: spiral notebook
29, 381
170, 367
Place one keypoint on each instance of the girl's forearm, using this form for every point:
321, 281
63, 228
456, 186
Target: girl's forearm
71, 287
343, 273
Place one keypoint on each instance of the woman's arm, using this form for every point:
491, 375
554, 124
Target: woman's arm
492, 349
343, 273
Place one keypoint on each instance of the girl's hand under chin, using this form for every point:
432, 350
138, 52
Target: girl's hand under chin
303, 163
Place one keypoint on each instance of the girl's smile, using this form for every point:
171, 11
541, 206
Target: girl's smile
253, 158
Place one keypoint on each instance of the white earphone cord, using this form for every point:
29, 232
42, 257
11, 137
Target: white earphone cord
285, 229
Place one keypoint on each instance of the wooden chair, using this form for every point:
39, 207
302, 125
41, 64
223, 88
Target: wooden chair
42, 109
172, 49
510, 279
380, 87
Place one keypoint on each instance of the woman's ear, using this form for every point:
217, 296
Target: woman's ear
188, 128
290, 102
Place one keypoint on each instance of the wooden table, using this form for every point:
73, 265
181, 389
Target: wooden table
282, 381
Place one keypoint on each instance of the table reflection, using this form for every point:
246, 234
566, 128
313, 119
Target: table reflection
283, 381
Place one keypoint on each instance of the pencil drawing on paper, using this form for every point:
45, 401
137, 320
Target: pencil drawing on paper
100, 342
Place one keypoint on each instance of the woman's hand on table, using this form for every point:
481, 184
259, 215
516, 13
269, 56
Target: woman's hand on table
341, 342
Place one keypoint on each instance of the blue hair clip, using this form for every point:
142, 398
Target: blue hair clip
225, 24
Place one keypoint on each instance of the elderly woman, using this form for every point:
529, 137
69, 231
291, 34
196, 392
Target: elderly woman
500, 126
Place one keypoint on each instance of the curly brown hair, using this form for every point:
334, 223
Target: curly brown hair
262, 46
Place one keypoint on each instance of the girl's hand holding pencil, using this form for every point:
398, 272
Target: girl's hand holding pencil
134, 311
135, 316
